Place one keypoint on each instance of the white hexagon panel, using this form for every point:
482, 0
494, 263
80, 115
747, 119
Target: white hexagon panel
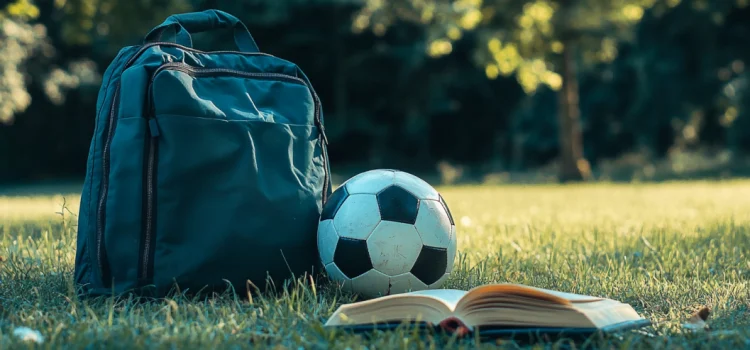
418, 187
394, 247
405, 283
433, 224
370, 182
371, 284
357, 216
327, 240
338, 277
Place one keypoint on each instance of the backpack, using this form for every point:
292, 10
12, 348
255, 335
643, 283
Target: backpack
206, 169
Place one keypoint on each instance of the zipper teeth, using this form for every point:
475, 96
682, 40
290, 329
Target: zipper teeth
185, 48
202, 71
149, 207
105, 181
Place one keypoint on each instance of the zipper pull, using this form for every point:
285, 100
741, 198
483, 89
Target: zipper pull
323, 134
153, 127
321, 131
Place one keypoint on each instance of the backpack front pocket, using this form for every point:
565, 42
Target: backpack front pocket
234, 169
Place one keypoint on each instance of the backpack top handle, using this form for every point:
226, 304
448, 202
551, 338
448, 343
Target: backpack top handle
180, 26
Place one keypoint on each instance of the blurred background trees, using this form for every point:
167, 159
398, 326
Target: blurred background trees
541, 41
615, 89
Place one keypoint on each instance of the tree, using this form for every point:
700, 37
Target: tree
542, 42
18, 41
28, 56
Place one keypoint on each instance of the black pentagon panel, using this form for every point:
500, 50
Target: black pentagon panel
448, 211
431, 264
397, 204
334, 202
352, 257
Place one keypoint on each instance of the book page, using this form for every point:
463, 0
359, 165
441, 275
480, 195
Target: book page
574, 298
427, 305
607, 312
483, 294
449, 297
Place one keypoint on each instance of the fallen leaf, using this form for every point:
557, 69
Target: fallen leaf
697, 320
28, 334
702, 314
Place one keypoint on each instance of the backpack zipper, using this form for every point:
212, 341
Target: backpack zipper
193, 71
185, 48
145, 270
100, 253
148, 203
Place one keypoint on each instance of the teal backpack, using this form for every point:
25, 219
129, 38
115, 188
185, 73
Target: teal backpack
206, 169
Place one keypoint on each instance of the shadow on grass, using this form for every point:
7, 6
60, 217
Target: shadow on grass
664, 275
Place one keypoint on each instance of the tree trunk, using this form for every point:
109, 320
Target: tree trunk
573, 167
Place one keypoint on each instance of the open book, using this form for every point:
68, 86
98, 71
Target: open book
491, 306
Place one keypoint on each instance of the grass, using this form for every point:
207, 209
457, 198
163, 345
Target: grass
667, 249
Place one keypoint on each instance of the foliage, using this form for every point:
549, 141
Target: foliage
518, 36
666, 249
389, 103
27, 52
86, 22
17, 40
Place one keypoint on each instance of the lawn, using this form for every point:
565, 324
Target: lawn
667, 249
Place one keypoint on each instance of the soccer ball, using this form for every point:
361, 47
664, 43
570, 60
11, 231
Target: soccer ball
386, 232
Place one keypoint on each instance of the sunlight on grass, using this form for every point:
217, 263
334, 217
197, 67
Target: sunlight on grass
38, 207
667, 249
490, 219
